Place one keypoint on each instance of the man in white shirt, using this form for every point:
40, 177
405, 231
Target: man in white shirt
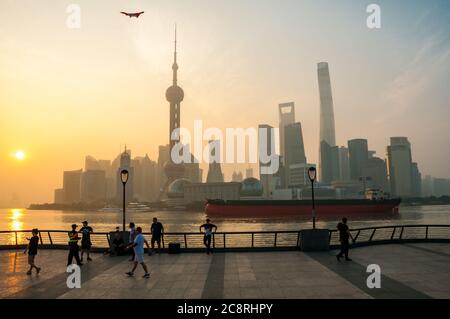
138, 247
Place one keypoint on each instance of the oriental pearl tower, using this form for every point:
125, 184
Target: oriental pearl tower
174, 95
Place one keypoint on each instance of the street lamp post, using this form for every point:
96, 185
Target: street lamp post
124, 178
312, 177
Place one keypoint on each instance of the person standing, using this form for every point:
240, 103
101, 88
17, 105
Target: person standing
32, 249
157, 231
73, 246
86, 243
208, 230
138, 247
131, 239
344, 236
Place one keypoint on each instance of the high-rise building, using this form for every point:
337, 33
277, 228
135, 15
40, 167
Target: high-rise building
59, 196
93, 186
297, 175
399, 165
344, 165
163, 158
327, 130
374, 170
145, 185
358, 153
72, 186
215, 174
287, 116
125, 164
416, 180
329, 163
266, 144
295, 150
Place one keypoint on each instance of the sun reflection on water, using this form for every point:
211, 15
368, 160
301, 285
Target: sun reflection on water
15, 217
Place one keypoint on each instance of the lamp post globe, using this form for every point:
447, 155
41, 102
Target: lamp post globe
312, 174
124, 176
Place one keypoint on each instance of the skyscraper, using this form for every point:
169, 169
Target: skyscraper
174, 96
72, 186
358, 153
416, 179
375, 169
344, 165
327, 130
399, 165
295, 150
267, 141
125, 163
93, 186
287, 116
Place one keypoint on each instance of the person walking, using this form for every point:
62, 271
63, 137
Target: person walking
73, 246
86, 243
138, 247
344, 236
208, 230
157, 231
32, 249
131, 239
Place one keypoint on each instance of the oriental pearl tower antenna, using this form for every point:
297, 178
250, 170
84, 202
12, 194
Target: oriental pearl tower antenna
174, 95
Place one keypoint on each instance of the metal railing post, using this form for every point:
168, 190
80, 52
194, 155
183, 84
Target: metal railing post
393, 233
224, 245
253, 239
40, 238
426, 233
214, 240
373, 233
185, 241
50, 238
15, 233
401, 233
275, 241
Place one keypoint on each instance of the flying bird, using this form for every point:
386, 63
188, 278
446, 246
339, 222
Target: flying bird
136, 15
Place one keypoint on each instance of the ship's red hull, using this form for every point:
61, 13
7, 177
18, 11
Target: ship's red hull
299, 208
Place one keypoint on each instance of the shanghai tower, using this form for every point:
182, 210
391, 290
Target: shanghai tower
327, 131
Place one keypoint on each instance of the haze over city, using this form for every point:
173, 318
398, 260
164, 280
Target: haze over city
67, 93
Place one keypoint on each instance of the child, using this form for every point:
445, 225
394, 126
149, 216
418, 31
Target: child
32, 249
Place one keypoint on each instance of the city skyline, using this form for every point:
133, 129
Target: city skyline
231, 87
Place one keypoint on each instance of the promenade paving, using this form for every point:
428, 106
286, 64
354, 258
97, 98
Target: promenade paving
407, 271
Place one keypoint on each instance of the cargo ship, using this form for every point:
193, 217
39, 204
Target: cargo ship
279, 208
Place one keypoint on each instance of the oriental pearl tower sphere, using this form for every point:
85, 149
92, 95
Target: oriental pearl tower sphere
174, 95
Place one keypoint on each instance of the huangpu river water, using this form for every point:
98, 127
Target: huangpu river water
181, 221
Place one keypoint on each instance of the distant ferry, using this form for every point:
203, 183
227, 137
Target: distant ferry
277, 208
131, 208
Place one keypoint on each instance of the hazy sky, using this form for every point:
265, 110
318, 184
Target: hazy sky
66, 93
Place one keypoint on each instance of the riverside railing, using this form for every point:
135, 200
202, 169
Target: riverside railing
252, 240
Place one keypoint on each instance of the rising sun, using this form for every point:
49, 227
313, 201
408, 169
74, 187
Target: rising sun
20, 155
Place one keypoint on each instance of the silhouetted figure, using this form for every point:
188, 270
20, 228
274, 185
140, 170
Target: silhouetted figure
209, 228
344, 236
73, 246
131, 239
86, 243
138, 246
32, 249
157, 231
118, 246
